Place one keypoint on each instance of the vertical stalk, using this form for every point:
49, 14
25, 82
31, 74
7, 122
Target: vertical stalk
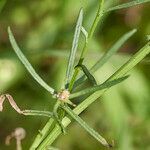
42, 134
97, 19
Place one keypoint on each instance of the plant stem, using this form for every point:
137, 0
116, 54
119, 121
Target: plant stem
97, 19
73, 78
42, 134
55, 112
81, 107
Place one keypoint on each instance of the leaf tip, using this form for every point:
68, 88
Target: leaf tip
9, 33
134, 30
111, 145
9, 30
106, 144
81, 10
81, 13
126, 77
123, 78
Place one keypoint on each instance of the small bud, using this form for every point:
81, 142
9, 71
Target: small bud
63, 95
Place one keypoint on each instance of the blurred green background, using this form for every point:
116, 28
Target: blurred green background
44, 30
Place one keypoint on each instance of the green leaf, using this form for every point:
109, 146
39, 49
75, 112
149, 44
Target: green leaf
93, 89
104, 59
126, 5
27, 64
73, 51
88, 74
37, 113
91, 131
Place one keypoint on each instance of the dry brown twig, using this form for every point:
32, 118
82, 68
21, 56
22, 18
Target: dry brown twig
8, 97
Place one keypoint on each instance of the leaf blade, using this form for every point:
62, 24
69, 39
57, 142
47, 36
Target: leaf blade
37, 113
93, 89
83, 124
26, 63
112, 50
87, 73
74, 47
127, 5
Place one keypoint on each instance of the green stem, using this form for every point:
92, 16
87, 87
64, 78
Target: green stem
88, 101
42, 134
94, 25
55, 112
73, 78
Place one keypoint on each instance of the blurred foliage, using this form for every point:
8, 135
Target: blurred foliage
44, 29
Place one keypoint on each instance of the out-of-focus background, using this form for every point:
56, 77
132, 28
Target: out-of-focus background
44, 30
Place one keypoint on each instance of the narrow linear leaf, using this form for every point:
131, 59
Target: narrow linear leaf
128, 4
98, 18
37, 113
26, 63
89, 76
105, 85
83, 124
104, 59
70, 66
